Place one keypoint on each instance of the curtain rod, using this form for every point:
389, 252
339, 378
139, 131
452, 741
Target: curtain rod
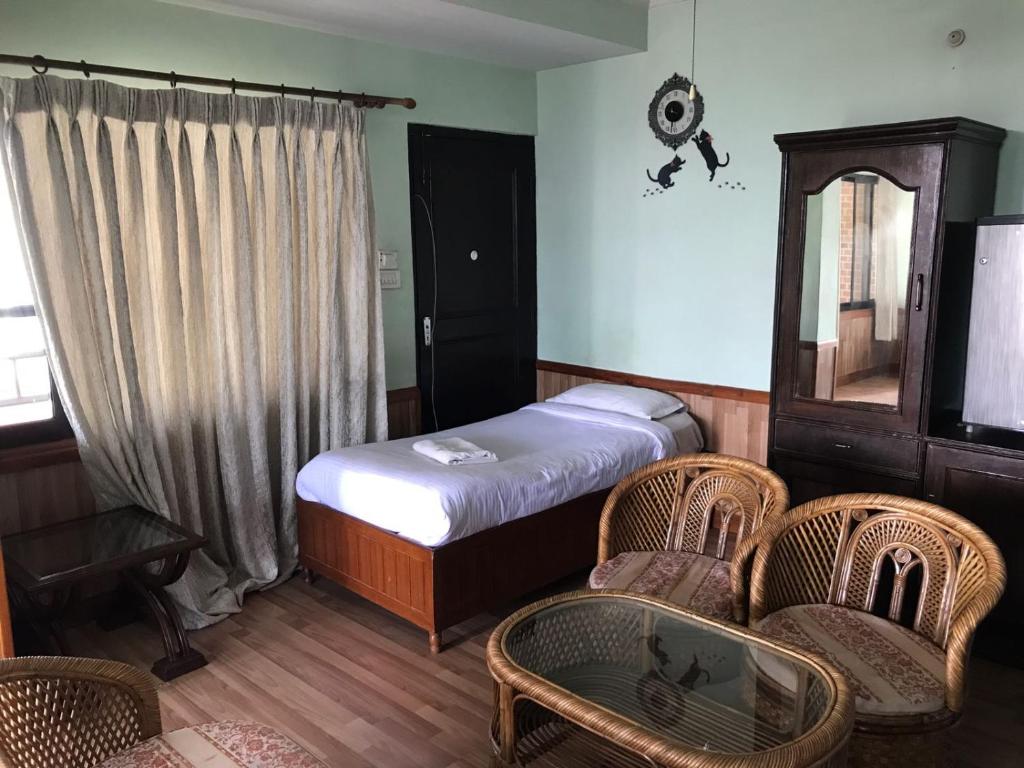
40, 65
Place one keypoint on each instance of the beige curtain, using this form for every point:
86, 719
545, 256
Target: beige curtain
203, 265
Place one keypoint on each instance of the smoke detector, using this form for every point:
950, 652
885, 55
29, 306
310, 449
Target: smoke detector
956, 38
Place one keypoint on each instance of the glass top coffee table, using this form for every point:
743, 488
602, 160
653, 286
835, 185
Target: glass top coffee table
610, 678
148, 551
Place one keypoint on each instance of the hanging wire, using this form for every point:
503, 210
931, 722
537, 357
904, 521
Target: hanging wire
433, 316
693, 54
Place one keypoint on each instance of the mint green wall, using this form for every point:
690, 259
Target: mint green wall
149, 35
681, 285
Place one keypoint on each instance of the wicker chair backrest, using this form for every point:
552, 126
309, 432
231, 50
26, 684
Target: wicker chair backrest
913, 562
703, 503
72, 712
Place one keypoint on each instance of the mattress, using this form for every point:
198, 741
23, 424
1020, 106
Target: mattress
548, 454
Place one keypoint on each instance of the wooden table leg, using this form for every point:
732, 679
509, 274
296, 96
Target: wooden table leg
44, 616
181, 656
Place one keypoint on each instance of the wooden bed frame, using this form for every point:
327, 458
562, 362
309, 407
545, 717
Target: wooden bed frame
436, 588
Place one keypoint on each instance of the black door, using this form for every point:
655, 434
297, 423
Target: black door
475, 263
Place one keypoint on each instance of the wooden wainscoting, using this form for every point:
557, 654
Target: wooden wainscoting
42, 495
860, 354
404, 416
733, 420
816, 369
45, 484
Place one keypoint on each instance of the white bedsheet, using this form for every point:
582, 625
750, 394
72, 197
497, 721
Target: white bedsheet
548, 453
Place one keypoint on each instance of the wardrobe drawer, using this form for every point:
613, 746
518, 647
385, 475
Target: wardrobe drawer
894, 454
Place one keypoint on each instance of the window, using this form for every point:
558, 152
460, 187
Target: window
29, 409
856, 240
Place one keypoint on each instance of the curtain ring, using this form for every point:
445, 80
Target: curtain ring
340, 99
40, 65
312, 95
282, 90
233, 87
85, 68
173, 78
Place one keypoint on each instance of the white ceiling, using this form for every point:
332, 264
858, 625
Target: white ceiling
438, 26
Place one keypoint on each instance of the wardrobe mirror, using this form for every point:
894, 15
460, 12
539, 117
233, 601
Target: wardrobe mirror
855, 290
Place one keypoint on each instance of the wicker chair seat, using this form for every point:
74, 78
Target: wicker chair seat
217, 745
697, 582
894, 672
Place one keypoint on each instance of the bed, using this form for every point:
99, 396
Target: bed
438, 544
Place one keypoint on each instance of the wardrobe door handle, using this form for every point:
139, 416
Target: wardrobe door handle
919, 301
842, 445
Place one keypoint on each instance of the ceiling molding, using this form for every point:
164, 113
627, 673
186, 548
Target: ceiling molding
522, 34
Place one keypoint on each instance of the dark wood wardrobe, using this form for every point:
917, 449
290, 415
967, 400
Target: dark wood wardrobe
876, 251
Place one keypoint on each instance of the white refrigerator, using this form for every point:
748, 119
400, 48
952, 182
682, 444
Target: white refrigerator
994, 385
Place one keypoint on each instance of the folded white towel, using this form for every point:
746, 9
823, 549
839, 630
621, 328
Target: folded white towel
453, 451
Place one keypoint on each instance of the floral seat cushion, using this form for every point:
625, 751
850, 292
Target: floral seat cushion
892, 670
697, 582
216, 745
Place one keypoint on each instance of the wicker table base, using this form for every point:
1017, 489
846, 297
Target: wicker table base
587, 679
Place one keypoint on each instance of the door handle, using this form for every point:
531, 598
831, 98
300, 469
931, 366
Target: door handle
919, 290
428, 335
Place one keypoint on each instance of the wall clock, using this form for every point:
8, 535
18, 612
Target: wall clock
672, 116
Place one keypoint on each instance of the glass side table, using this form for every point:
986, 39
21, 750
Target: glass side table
149, 552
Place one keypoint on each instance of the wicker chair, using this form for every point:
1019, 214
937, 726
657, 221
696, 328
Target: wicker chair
821, 573
66, 712
669, 529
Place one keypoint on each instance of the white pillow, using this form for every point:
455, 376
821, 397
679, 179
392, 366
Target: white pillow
632, 401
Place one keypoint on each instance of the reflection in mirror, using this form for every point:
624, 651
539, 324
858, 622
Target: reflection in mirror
855, 290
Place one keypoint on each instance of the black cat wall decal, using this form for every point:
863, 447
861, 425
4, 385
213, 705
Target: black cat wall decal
675, 115
704, 141
665, 172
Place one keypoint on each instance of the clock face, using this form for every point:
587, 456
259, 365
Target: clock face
672, 116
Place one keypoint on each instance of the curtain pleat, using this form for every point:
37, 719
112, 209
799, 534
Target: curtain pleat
204, 270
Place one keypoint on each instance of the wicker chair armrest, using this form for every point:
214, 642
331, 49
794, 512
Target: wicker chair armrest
963, 627
958, 652
749, 571
121, 710
615, 526
740, 571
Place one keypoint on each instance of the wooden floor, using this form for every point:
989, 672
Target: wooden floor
358, 687
874, 389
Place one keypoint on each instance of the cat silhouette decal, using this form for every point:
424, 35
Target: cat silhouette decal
664, 179
704, 141
675, 116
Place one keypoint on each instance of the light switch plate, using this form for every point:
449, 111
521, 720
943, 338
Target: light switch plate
390, 279
387, 259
